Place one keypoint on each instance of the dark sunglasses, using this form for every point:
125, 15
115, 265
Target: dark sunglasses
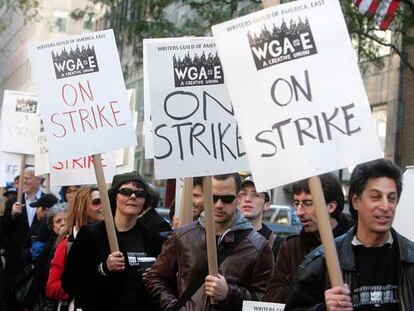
96, 201
128, 192
226, 199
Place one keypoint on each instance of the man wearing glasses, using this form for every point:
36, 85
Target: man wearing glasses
243, 273
296, 247
253, 204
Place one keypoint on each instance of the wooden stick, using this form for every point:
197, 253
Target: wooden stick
47, 181
186, 205
210, 228
109, 220
2, 201
269, 3
325, 232
20, 190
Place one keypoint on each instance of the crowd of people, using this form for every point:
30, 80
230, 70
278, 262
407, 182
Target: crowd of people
56, 254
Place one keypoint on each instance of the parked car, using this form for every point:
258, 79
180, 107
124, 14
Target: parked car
164, 212
282, 219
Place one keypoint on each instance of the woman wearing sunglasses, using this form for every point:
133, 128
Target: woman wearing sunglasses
101, 280
86, 209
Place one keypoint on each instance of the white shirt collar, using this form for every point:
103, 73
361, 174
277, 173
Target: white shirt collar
389, 241
37, 196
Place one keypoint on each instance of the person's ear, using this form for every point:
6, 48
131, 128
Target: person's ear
355, 201
266, 206
332, 207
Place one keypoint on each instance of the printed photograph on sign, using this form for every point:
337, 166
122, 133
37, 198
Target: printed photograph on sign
81, 89
194, 130
19, 121
297, 91
26, 105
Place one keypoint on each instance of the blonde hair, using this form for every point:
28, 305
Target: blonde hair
77, 212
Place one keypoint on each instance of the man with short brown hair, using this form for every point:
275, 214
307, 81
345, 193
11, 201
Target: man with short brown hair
243, 272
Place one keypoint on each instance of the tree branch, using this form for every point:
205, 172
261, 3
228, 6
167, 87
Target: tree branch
393, 47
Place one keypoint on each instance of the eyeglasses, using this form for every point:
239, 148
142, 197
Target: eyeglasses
226, 199
128, 192
304, 203
96, 201
251, 194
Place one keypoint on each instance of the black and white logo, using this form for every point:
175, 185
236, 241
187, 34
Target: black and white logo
27, 105
282, 44
75, 62
199, 70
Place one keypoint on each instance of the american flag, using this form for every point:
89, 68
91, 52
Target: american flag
382, 10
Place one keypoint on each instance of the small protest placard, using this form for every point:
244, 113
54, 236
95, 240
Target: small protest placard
19, 119
147, 126
42, 163
403, 215
124, 158
10, 166
195, 132
80, 171
262, 306
298, 95
179, 185
84, 104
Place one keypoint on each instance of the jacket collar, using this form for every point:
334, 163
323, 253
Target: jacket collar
346, 254
240, 223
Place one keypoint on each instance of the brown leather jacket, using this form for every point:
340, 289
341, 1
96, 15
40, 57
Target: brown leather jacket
183, 257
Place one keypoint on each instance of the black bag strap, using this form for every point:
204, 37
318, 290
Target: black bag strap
198, 282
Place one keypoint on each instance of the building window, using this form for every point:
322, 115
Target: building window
379, 114
88, 22
60, 20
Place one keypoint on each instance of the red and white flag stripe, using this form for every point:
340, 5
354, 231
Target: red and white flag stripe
383, 10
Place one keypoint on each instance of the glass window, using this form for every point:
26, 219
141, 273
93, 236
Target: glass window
379, 114
60, 20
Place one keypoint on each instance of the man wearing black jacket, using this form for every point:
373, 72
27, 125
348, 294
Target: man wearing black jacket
17, 220
296, 247
377, 263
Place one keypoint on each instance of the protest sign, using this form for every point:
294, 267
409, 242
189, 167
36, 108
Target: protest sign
403, 221
195, 132
124, 158
10, 166
84, 104
80, 171
147, 126
19, 118
297, 91
179, 186
262, 306
42, 163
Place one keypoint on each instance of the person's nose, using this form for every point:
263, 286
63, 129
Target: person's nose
218, 204
300, 209
384, 204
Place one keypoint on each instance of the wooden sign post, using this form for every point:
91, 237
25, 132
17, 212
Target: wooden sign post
186, 203
210, 227
109, 220
325, 232
20, 190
